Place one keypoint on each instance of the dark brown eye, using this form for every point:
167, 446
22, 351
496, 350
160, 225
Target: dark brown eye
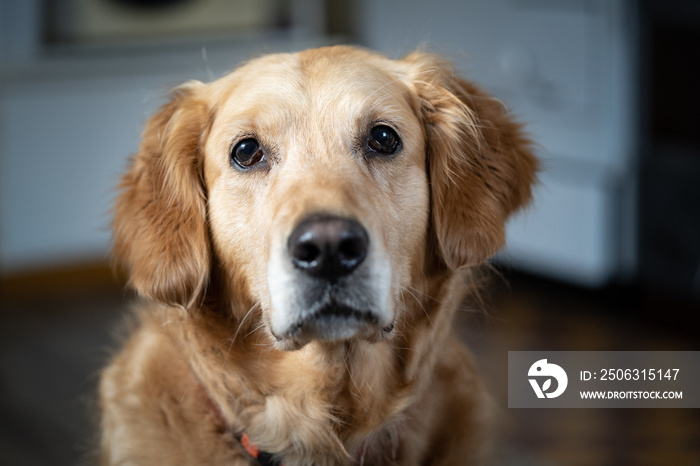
247, 153
382, 140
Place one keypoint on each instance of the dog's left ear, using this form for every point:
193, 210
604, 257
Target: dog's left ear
480, 163
160, 224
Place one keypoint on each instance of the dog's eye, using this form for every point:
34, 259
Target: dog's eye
247, 153
383, 140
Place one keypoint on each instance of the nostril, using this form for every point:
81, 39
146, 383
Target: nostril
306, 253
352, 250
306, 247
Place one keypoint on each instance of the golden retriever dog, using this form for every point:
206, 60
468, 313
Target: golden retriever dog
301, 232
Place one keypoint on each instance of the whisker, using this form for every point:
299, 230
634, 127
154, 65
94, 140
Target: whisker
238, 329
419, 303
345, 361
260, 326
425, 294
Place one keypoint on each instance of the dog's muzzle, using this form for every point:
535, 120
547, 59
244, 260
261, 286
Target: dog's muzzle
335, 295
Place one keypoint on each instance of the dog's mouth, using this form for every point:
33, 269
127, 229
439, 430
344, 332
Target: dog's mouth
311, 300
334, 321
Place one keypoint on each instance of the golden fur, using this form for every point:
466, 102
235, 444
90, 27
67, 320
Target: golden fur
201, 242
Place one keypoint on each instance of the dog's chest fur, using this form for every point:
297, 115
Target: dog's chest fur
348, 400
328, 404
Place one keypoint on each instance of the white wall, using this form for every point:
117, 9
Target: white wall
62, 146
564, 68
68, 122
67, 127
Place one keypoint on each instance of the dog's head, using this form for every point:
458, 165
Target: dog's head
319, 187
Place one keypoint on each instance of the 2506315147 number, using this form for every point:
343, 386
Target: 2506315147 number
639, 374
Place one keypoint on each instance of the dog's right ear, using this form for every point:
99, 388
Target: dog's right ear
160, 229
480, 163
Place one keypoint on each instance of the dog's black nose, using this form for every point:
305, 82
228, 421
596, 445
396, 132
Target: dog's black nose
328, 247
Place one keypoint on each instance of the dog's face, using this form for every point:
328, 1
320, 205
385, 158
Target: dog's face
321, 184
326, 217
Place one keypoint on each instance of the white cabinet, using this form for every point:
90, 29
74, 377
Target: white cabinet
564, 67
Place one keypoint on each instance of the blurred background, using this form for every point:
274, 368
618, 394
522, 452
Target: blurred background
607, 257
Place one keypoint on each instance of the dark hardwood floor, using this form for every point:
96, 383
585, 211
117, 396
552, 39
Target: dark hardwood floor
531, 314
55, 335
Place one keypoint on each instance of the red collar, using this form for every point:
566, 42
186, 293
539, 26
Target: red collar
264, 458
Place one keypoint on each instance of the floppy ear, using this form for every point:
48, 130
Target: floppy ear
160, 230
480, 163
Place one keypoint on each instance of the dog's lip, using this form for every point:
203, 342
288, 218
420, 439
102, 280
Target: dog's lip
344, 311
329, 318
332, 311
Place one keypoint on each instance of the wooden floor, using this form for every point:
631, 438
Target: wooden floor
54, 337
53, 341
530, 314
